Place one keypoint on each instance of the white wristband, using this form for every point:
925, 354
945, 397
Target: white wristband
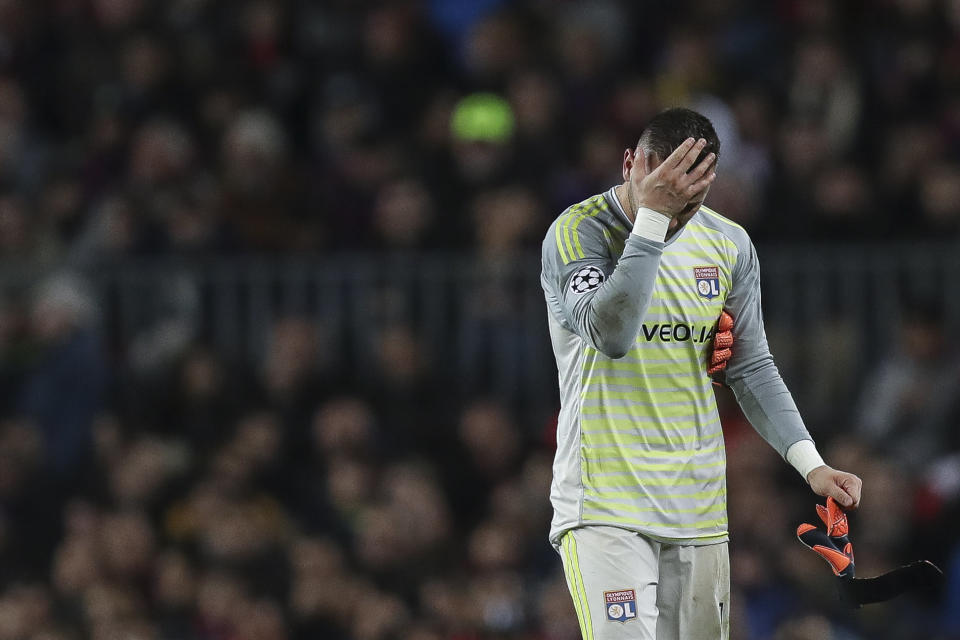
804, 457
651, 224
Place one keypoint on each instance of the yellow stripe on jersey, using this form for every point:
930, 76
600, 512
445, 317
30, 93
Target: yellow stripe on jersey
628, 464
614, 245
716, 215
567, 252
576, 235
559, 238
701, 524
634, 426
567, 234
617, 444
624, 481
664, 393
697, 495
632, 508
701, 236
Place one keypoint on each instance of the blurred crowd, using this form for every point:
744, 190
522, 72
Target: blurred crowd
198, 498
136, 127
207, 500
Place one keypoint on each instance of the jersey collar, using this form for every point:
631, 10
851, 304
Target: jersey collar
611, 195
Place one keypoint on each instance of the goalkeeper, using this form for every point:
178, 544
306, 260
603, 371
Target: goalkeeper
635, 280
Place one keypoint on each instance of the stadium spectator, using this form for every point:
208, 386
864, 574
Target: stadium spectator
905, 407
66, 385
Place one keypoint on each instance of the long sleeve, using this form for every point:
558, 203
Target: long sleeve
601, 298
751, 372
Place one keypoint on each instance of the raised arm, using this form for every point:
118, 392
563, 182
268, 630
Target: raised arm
604, 302
604, 298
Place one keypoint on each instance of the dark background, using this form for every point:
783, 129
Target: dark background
272, 343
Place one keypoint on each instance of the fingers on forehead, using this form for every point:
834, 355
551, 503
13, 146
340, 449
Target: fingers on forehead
692, 156
703, 156
681, 151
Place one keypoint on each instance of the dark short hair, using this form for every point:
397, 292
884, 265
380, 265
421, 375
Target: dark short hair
668, 129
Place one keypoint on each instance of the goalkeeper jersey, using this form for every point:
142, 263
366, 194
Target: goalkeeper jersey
639, 442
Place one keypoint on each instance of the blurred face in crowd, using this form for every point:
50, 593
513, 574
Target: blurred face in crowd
174, 581
218, 597
140, 472
23, 609
350, 483
20, 454
202, 375
262, 620
378, 544
127, 545
940, 196
489, 436
344, 426
807, 628
258, 440
105, 604
161, 153
493, 547
401, 356
75, 566
254, 149
922, 338
294, 349
403, 212
13, 225
504, 217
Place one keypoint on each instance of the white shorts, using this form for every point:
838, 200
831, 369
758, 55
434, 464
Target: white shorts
627, 586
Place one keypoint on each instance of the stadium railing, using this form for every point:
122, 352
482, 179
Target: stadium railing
481, 321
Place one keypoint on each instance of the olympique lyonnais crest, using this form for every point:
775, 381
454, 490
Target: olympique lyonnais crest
708, 281
621, 605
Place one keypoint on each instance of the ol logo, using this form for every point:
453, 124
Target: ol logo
708, 281
621, 605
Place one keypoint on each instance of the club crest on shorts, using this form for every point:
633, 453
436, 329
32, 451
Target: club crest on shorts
621, 605
708, 281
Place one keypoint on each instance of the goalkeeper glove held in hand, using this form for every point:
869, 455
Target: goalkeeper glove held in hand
722, 343
833, 545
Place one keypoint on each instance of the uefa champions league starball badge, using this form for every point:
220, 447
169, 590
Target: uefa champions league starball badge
586, 279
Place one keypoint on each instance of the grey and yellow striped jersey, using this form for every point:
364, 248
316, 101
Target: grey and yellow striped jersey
639, 442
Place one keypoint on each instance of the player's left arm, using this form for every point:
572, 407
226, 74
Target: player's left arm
762, 394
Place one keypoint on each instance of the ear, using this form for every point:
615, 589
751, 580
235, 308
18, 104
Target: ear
636, 158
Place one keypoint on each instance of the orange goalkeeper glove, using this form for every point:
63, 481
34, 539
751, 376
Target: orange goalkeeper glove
833, 545
722, 343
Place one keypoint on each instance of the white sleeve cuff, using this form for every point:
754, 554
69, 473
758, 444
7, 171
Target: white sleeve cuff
804, 457
651, 224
